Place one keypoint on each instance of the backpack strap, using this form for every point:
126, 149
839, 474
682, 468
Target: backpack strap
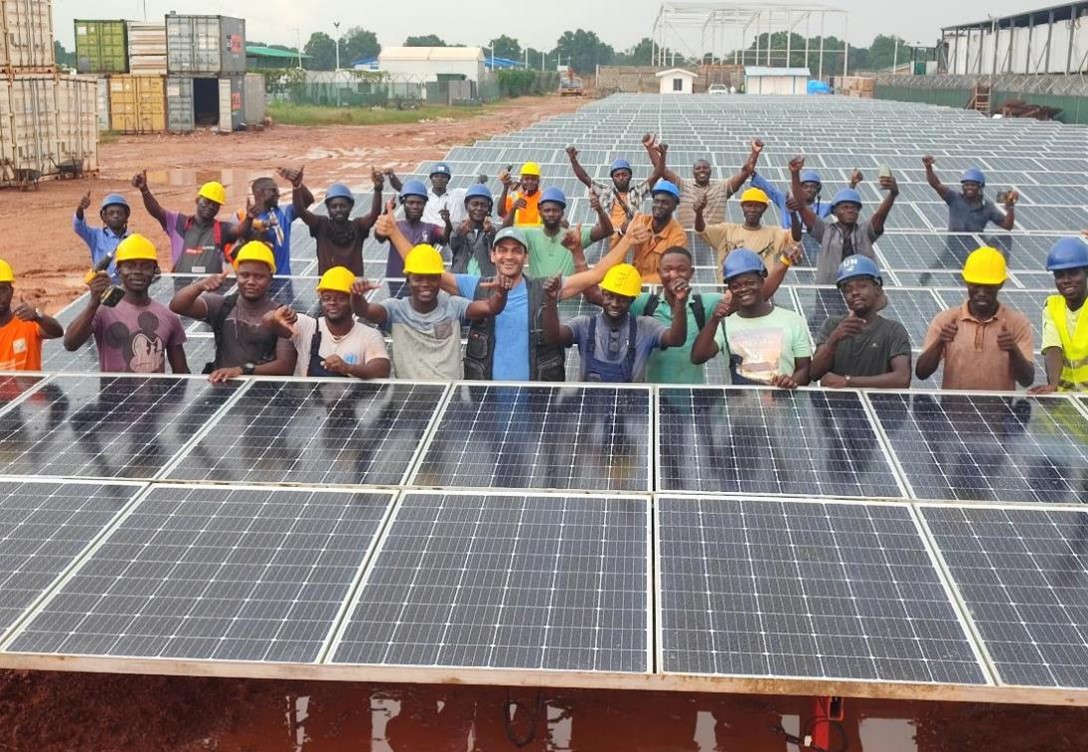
699, 309
632, 335
315, 347
216, 323
651, 304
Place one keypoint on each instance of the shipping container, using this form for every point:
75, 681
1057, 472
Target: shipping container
255, 99
232, 93
138, 104
103, 103
146, 48
27, 27
48, 126
101, 47
205, 45
204, 102
77, 123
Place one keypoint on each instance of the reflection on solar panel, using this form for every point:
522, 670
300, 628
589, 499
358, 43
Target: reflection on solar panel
798, 589
1021, 574
540, 437
987, 448
106, 426
12, 388
214, 573
529, 582
769, 442
315, 432
45, 526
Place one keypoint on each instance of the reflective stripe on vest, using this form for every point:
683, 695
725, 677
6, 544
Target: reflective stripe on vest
1074, 376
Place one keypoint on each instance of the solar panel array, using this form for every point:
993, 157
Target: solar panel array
587, 533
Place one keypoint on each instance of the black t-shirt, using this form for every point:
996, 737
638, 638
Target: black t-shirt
340, 248
870, 352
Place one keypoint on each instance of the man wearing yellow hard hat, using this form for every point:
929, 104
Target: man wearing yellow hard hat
769, 242
138, 334
22, 328
983, 344
519, 203
243, 345
614, 345
198, 241
426, 326
334, 344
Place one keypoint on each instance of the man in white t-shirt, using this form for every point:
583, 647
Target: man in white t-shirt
334, 344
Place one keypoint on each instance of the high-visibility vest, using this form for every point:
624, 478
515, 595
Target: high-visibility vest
1074, 376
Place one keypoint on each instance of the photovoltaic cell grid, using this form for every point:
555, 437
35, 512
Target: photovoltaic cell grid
44, 526
753, 441
540, 437
212, 573
798, 589
963, 447
315, 433
106, 426
526, 582
1022, 574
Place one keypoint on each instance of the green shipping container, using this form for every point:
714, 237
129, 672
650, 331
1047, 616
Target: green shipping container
101, 47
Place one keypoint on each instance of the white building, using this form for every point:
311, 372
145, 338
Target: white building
761, 80
433, 63
676, 81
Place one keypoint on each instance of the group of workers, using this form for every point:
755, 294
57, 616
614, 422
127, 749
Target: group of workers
503, 277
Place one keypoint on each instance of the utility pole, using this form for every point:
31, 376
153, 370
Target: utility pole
336, 25
298, 46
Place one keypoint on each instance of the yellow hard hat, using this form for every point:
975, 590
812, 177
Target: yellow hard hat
136, 248
255, 250
337, 279
530, 168
623, 279
985, 266
756, 196
423, 259
6, 273
213, 191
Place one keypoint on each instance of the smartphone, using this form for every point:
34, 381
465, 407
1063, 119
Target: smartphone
885, 171
1001, 196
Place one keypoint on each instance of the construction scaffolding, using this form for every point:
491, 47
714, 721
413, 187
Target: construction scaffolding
723, 32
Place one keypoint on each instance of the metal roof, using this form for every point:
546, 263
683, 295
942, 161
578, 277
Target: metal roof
760, 70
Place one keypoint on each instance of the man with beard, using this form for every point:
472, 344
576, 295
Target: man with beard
243, 347
1065, 319
271, 222
769, 242
139, 334
22, 328
413, 200
470, 244
102, 241
662, 231
339, 237
968, 209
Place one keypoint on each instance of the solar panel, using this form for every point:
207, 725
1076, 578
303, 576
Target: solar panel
14, 388
106, 426
315, 432
590, 438
1021, 575
507, 581
914, 309
929, 251
44, 526
736, 440
965, 447
805, 590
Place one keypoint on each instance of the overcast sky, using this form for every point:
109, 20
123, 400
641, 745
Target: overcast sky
536, 23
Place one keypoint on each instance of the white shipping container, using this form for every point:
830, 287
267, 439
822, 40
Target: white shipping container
27, 28
77, 122
28, 128
146, 48
255, 100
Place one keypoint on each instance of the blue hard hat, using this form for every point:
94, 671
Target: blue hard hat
441, 169
845, 196
1067, 253
554, 196
479, 190
620, 164
742, 261
413, 188
811, 176
858, 266
114, 199
513, 233
339, 190
664, 186
973, 175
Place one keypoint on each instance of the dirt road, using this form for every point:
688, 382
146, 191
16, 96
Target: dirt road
35, 227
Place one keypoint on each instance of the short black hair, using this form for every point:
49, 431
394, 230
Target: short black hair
678, 249
264, 181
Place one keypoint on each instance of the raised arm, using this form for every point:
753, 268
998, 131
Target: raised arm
391, 176
931, 177
705, 347
48, 327
677, 333
659, 157
377, 181
747, 168
244, 228
79, 331
576, 167
362, 307
479, 310
187, 300
658, 166
1009, 220
880, 216
603, 229
808, 217
576, 283
139, 182
386, 227
795, 220
554, 332
776, 274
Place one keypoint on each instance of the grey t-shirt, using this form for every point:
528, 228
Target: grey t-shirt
244, 339
831, 236
427, 345
968, 217
611, 343
870, 352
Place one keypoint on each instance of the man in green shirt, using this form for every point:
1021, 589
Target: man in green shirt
549, 255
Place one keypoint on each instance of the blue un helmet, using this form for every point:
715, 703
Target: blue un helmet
1067, 253
554, 196
339, 190
441, 169
856, 266
846, 196
413, 188
619, 164
811, 176
742, 261
973, 175
479, 190
665, 186
114, 199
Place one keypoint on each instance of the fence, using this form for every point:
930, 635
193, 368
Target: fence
356, 88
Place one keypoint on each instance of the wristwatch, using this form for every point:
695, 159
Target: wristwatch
249, 368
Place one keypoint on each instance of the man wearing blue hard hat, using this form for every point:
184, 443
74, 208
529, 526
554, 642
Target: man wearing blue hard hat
102, 241
441, 199
846, 235
339, 237
471, 241
554, 250
1065, 319
968, 209
620, 199
413, 201
862, 349
811, 182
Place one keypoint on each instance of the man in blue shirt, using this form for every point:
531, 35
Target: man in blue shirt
272, 225
102, 241
812, 184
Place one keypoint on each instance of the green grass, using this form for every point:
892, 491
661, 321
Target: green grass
108, 137
299, 114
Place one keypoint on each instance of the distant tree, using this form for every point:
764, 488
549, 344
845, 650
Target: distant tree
64, 57
583, 50
322, 51
507, 47
881, 53
358, 43
427, 40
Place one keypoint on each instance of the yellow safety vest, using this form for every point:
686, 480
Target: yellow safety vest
1074, 376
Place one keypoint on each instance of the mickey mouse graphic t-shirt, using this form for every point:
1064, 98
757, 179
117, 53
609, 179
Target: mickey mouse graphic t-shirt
134, 339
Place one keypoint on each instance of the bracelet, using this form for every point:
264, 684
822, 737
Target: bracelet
785, 260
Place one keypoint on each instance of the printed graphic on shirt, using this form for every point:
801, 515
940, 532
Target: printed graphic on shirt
143, 349
758, 351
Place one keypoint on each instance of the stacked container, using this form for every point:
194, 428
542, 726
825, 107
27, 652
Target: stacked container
138, 104
206, 65
101, 47
146, 48
27, 30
